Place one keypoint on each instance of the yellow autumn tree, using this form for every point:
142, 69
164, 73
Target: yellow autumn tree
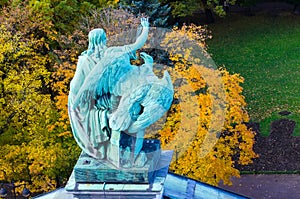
30, 150
36, 66
206, 123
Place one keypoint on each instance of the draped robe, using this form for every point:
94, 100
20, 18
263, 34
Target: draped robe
89, 121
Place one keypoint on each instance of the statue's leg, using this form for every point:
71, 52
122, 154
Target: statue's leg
113, 149
138, 143
103, 150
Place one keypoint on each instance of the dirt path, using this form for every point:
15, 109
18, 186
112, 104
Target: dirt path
275, 186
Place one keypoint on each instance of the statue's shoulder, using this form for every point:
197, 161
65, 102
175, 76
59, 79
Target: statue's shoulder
86, 59
115, 50
83, 57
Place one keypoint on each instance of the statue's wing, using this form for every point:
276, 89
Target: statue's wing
102, 79
129, 108
143, 105
156, 102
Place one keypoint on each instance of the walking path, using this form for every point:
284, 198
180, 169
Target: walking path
260, 186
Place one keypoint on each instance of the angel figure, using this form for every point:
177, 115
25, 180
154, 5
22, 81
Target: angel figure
109, 96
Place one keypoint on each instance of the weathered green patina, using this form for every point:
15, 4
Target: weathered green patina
112, 102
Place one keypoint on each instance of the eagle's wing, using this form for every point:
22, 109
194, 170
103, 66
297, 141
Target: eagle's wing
155, 105
143, 106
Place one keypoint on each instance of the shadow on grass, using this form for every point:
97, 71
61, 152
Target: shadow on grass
266, 124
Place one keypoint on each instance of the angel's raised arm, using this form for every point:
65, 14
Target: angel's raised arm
142, 38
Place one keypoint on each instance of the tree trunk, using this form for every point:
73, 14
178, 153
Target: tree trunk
209, 16
296, 9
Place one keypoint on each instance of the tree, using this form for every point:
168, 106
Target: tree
37, 62
30, 148
35, 56
206, 123
65, 14
158, 14
187, 8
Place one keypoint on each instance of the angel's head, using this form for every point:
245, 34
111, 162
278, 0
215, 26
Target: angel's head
97, 37
97, 42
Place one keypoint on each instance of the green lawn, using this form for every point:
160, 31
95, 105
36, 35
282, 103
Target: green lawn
265, 50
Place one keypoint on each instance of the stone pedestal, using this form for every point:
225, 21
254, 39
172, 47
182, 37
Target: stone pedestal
91, 170
136, 187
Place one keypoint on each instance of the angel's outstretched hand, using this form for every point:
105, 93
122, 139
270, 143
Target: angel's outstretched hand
145, 22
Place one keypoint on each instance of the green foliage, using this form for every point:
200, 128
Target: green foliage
108, 3
158, 14
182, 9
188, 7
265, 124
3, 2
66, 14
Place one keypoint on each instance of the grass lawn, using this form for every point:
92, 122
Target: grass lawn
265, 50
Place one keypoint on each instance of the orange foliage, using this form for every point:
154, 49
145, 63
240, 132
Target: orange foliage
206, 123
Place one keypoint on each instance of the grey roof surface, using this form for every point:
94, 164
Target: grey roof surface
175, 187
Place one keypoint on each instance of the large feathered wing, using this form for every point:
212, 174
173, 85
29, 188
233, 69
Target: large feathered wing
156, 100
103, 78
144, 105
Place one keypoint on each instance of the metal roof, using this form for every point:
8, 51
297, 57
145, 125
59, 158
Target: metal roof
175, 187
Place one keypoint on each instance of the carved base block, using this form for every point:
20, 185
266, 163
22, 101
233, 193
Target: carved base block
91, 170
121, 190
